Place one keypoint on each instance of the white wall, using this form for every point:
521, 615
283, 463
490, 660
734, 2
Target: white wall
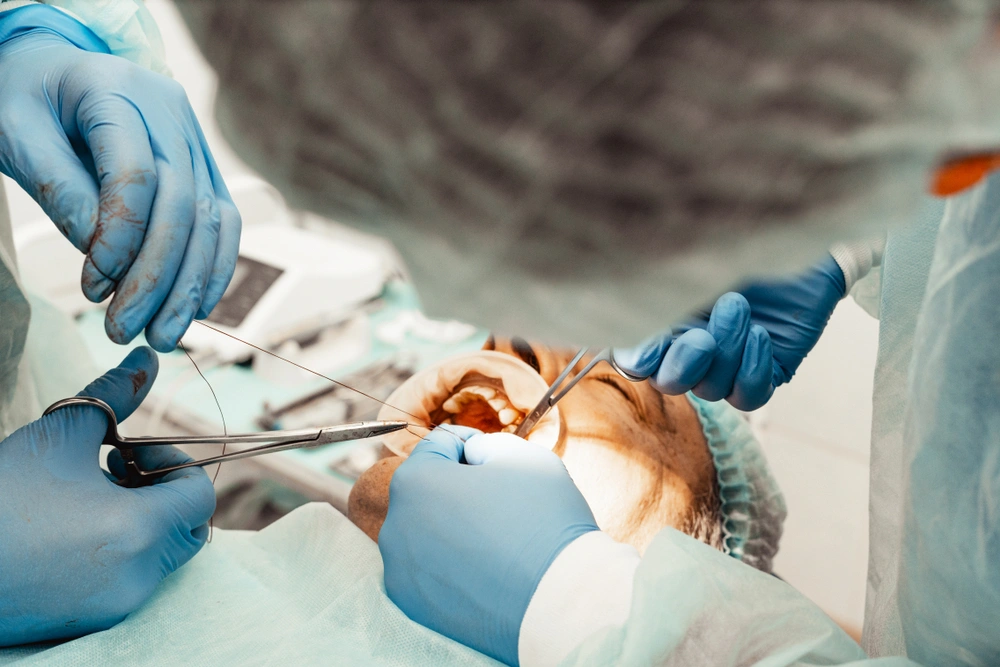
816, 430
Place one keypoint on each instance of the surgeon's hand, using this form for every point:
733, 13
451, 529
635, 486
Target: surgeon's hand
78, 552
753, 341
464, 546
115, 157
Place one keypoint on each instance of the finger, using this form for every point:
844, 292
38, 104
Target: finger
151, 459
76, 432
644, 359
125, 387
184, 502
142, 291
186, 295
753, 386
728, 325
483, 448
685, 363
147, 458
119, 144
230, 227
52, 174
226, 254
185, 495
444, 442
82, 428
116, 464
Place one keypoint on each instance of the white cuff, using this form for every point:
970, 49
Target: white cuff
126, 26
857, 259
587, 588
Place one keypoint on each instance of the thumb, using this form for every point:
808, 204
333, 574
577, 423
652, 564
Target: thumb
644, 359
81, 428
185, 498
125, 387
484, 448
444, 442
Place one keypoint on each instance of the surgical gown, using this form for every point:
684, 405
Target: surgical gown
42, 358
934, 572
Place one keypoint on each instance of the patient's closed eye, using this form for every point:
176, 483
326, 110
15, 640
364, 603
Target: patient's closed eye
616, 385
524, 350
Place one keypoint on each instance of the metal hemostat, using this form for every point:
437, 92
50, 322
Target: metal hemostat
274, 441
555, 393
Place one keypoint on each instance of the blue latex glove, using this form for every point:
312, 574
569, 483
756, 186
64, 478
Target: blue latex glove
115, 157
77, 551
464, 546
753, 341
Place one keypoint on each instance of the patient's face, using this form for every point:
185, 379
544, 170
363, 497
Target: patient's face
639, 457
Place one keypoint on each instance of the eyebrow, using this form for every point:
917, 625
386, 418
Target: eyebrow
612, 383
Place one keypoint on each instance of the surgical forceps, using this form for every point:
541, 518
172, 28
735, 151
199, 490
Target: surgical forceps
554, 394
279, 440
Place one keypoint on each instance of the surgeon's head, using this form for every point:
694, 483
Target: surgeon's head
641, 459
584, 171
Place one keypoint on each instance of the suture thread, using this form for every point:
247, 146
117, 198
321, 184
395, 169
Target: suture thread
317, 374
225, 430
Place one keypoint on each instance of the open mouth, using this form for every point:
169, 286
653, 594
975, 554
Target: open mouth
490, 391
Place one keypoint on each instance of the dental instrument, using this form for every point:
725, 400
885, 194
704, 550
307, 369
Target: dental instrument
275, 441
555, 394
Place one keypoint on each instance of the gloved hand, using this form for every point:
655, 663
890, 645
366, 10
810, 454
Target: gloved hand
78, 552
115, 157
464, 546
752, 343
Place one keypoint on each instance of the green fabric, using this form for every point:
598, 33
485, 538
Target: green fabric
18, 399
693, 605
306, 590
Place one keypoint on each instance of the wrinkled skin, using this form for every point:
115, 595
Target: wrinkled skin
639, 457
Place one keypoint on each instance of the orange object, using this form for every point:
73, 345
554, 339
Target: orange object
963, 173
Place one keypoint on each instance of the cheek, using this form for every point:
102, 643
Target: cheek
369, 500
629, 494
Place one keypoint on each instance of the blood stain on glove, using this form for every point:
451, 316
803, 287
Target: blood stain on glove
113, 201
138, 380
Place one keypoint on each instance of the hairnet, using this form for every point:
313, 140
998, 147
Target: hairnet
577, 169
751, 505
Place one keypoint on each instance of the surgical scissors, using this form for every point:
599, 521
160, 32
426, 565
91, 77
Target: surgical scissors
554, 394
279, 440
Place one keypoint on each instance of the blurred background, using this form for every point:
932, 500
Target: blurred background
815, 431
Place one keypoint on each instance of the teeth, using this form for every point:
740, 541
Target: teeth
446, 421
509, 429
507, 416
451, 405
485, 392
499, 404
